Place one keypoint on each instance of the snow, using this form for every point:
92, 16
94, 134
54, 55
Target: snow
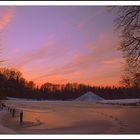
70, 117
89, 97
23, 100
4, 129
121, 101
92, 97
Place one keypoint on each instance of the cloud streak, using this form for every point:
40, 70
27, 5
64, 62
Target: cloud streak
97, 63
6, 17
50, 50
85, 21
37, 54
74, 53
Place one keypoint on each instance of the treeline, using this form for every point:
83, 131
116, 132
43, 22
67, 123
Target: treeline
12, 84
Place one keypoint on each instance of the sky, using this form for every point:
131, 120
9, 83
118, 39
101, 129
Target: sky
61, 44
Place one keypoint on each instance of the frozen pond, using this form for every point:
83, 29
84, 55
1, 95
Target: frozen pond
68, 117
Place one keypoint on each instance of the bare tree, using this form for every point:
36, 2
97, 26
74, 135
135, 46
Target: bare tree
131, 75
128, 24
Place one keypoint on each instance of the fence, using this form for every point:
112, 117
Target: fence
13, 112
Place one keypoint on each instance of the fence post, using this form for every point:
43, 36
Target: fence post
21, 117
13, 114
3, 105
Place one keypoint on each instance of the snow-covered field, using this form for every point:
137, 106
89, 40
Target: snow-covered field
70, 117
122, 102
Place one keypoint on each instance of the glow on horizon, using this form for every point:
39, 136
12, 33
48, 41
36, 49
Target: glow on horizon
61, 44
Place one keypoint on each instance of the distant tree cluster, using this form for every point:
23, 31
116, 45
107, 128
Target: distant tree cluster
12, 84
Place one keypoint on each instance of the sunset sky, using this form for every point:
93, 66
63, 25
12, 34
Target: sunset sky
61, 44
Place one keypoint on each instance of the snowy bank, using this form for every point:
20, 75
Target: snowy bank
89, 97
122, 102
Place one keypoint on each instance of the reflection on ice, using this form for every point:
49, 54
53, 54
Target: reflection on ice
75, 118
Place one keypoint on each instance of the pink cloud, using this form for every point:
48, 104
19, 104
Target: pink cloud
46, 51
6, 17
98, 66
99, 63
116, 61
106, 42
85, 21
39, 53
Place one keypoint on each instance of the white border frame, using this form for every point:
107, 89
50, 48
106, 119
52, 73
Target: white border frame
69, 3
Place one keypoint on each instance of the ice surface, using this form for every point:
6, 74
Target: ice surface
3, 129
70, 117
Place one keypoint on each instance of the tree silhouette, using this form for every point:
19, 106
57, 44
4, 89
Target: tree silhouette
128, 24
13, 84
